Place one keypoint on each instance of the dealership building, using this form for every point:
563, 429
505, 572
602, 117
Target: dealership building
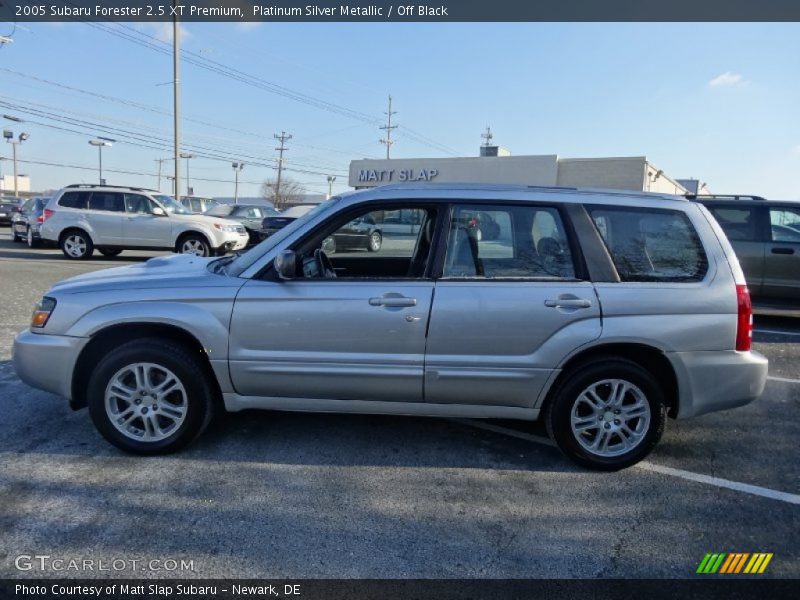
497, 165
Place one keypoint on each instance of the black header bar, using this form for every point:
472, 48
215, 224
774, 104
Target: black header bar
402, 12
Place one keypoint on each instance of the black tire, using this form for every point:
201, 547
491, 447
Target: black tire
188, 369
375, 241
110, 252
14, 236
564, 400
72, 241
195, 240
30, 240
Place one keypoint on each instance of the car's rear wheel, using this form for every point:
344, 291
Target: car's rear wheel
375, 241
15, 237
30, 239
150, 396
110, 252
194, 244
607, 414
76, 245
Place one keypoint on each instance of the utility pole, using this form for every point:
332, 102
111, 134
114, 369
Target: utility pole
176, 98
488, 137
388, 128
283, 137
187, 156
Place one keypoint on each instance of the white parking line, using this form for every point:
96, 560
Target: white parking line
736, 486
723, 483
783, 379
776, 331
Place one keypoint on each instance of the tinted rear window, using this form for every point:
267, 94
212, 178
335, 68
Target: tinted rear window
110, 201
74, 199
738, 222
651, 244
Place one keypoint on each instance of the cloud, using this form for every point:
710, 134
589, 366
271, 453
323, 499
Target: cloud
728, 78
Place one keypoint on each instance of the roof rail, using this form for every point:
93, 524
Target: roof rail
119, 187
724, 196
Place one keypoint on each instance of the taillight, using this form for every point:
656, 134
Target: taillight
744, 326
40, 219
46, 215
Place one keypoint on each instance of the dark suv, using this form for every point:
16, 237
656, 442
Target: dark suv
765, 235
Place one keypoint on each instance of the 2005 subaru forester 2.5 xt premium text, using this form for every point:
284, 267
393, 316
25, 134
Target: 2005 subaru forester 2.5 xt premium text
602, 312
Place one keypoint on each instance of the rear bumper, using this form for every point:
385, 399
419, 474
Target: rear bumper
712, 381
47, 362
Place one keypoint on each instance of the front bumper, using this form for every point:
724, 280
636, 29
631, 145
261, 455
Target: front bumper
236, 242
712, 381
46, 361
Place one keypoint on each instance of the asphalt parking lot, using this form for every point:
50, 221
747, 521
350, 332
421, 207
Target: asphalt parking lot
304, 495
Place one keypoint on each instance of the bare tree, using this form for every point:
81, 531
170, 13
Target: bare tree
290, 192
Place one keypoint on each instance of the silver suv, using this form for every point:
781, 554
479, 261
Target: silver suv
601, 312
83, 217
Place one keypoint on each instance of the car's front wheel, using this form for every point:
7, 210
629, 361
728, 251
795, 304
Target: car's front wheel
150, 396
194, 244
607, 414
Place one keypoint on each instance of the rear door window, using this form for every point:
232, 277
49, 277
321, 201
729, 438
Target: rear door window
740, 223
107, 201
651, 244
74, 199
507, 242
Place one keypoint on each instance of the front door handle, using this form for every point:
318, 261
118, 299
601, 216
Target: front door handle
782, 250
568, 303
393, 301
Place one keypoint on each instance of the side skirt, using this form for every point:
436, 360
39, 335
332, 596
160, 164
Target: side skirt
236, 403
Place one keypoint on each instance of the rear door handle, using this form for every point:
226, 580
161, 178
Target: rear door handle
568, 303
782, 251
393, 301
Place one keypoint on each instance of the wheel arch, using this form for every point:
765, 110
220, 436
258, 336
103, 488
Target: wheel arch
83, 228
112, 336
646, 356
187, 232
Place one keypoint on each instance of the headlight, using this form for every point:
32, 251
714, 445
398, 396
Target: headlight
227, 228
44, 308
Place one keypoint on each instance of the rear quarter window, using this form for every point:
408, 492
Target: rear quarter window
74, 199
651, 244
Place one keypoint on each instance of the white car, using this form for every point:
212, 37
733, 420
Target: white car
83, 217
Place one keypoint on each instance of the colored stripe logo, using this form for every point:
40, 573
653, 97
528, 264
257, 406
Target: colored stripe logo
732, 563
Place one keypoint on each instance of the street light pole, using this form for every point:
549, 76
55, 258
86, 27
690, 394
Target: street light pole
9, 137
187, 156
237, 166
331, 179
100, 142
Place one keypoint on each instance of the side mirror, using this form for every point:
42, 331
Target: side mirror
286, 264
159, 212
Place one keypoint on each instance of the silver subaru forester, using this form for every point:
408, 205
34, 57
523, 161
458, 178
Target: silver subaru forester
602, 312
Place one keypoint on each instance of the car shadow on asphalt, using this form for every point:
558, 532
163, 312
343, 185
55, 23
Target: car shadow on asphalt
311, 439
10, 250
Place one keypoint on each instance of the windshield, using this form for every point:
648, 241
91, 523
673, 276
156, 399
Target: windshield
170, 204
240, 263
221, 210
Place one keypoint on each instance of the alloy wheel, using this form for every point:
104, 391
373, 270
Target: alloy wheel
610, 417
75, 246
146, 402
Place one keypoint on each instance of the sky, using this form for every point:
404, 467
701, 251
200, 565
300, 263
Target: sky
717, 102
